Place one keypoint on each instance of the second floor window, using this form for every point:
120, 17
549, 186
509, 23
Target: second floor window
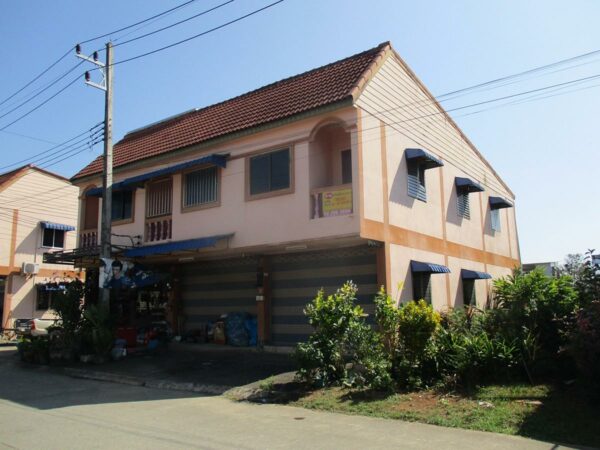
159, 198
462, 204
270, 172
53, 238
201, 187
122, 205
495, 219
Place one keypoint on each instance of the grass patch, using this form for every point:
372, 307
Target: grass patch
539, 412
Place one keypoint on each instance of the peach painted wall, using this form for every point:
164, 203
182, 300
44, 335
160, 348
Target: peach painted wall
269, 221
38, 197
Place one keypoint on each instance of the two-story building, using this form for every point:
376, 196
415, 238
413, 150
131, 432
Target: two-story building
351, 171
38, 214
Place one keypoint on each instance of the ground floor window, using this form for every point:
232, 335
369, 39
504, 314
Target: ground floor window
421, 286
469, 297
43, 300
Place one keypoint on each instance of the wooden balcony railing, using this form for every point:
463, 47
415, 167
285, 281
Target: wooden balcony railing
332, 201
158, 229
88, 238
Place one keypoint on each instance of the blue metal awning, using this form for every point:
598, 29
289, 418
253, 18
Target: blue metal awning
474, 275
417, 266
467, 185
170, 247
57, 226
139, 180
499, 203
217, 160
423, 158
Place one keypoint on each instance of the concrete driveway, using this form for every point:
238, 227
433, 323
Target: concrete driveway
42, 409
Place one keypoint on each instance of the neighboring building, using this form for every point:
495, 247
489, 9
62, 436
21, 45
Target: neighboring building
38, 213
552, 269
349, 171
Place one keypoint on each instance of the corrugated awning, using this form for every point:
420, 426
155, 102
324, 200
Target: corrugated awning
171, 247
57, 226
474, 275
139, 180
499, 203
467, 185
417, 266
422, 158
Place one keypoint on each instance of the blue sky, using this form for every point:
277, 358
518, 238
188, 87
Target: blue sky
546, 150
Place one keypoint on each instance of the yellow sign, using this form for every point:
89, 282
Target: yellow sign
337, 203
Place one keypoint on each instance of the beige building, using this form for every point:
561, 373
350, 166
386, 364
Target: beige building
38, 214
349, 171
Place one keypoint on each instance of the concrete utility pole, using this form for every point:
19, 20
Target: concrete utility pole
106, 86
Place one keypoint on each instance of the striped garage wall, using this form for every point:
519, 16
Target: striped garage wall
296, 278
212, 288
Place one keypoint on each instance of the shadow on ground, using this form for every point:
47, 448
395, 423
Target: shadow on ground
199, 370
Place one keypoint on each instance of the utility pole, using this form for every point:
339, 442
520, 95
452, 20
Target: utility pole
106, 86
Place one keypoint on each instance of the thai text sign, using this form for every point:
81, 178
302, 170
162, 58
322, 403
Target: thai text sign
337, 203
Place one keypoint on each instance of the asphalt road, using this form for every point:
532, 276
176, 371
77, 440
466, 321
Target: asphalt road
41, 409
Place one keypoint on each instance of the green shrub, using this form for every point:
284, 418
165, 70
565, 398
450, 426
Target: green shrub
343, 348
97, 330
387, 318
584, 345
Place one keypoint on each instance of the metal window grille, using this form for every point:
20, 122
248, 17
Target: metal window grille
462, 199
159, 198
201, 187
495, 219
416, 181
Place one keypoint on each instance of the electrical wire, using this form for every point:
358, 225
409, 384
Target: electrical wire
137, 23
174, 24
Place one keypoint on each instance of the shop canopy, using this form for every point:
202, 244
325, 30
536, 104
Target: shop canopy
467, 185
499, 203
139, 180
56, 226
474, 275
423, 158
417, 266
177, 246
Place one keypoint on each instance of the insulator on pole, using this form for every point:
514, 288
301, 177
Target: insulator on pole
78, 49
87, 76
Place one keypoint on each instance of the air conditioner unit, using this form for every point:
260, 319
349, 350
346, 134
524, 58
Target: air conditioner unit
30, 268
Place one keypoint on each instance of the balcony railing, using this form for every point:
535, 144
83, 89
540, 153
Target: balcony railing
88, 238
158, 229
332, 201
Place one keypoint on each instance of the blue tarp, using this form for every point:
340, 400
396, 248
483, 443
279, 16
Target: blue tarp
417, 266
474, 275
57, 226
170, 247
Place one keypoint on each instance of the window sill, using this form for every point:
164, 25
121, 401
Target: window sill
270, 194
122, 221
187, 209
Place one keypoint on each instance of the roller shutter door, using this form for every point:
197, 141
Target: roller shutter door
212, 288
296, 278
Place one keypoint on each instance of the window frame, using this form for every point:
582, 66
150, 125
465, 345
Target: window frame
147, 188
39, 293
463, 210
275, 193
495, 221
468, 287
129, 219
200, 206
415, 171
53, 238
427, 294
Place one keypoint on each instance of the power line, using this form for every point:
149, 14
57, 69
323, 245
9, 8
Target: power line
51, 148
197, 35
38, 76
174, 24
41, 104
137, 23
29, 137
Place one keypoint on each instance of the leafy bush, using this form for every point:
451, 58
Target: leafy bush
342, 348
97, 330
67, 306
536, 312
584, 345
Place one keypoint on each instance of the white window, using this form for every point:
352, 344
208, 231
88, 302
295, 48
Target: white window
53, 238
495, 219
201, 187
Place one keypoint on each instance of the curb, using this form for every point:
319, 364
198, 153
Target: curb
209, 389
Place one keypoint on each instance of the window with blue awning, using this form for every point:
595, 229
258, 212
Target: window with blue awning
139, 180
499, 203
474, 275
417, 162
56, 226
418, 266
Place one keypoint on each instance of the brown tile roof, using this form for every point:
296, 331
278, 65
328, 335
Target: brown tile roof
310, 90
